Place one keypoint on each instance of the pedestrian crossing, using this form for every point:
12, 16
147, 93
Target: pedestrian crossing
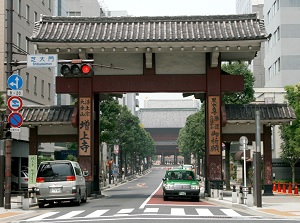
201, 212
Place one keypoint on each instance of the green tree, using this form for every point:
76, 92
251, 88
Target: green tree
191, 138
290, 134
109, 112
2, 101
247, 95
72, 145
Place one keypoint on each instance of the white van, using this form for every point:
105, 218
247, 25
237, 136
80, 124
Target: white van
60, 180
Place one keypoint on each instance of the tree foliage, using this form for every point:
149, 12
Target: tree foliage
290, 134
247, 95
119, 126
191, 138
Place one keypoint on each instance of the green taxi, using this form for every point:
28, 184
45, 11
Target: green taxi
181, 183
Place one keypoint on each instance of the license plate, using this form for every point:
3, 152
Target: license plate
55, 190
182, 193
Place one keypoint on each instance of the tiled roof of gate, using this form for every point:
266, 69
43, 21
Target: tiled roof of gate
60, 115
43, 115
268, 112
149, 29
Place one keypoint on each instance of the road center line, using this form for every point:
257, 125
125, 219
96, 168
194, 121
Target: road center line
146, 201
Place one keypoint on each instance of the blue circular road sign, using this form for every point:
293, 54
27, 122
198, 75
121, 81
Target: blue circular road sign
15, 82
15, 119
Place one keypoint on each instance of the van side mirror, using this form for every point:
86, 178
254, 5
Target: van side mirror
85, 173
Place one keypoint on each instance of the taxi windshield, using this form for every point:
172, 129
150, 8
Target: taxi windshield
180, 175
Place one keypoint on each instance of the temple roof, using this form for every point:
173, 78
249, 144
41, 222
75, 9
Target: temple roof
149, 29
236, 37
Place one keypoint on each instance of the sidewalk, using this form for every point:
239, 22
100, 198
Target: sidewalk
278, 206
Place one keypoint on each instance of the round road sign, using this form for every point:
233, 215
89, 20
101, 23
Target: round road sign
14, 103
15, 119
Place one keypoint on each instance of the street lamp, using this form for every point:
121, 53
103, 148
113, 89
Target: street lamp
244, 142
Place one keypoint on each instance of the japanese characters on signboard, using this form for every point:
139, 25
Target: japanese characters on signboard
85, 106
214, 126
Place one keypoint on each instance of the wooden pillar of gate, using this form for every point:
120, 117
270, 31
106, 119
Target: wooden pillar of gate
268, 175
86, 129
213, 126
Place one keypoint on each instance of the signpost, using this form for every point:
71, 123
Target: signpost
15, 103
243, 143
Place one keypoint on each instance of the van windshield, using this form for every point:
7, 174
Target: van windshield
55, 170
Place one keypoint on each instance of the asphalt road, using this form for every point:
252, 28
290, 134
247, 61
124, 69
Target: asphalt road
141, 200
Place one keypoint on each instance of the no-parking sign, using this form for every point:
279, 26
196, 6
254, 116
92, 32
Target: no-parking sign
15, 119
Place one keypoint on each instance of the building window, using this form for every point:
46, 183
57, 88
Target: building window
49, 91
27, 46
19, 40
42, 88
34, 84
35, 16
27, 12
278, 68
74, 13
49, 5
27, 81
19, 8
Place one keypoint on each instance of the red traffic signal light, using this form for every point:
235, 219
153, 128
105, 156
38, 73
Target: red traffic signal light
77, 70
87, 70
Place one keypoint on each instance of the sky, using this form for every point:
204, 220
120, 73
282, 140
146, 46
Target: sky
170, 8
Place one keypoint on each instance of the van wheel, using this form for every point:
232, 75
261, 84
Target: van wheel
41, 204
83, 200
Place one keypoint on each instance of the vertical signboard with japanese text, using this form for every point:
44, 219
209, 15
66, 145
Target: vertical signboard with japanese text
32, 169
214, 126
85, 126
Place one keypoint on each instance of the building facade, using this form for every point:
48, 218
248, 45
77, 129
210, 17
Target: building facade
282, 51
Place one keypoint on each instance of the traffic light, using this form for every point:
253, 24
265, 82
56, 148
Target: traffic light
77, 70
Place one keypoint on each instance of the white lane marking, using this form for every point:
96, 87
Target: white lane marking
151, 210
204, 212
230, 212
177, 211
69, 215
146, 201
124, 212
40, 217
97, 213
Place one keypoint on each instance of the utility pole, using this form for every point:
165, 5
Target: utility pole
8, 143
257, 164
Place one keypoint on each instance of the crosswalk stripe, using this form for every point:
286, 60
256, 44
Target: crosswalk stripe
70, 215
97, 213
204, 212
151, 210
230, 212
177, 211
40, 217
125, 211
